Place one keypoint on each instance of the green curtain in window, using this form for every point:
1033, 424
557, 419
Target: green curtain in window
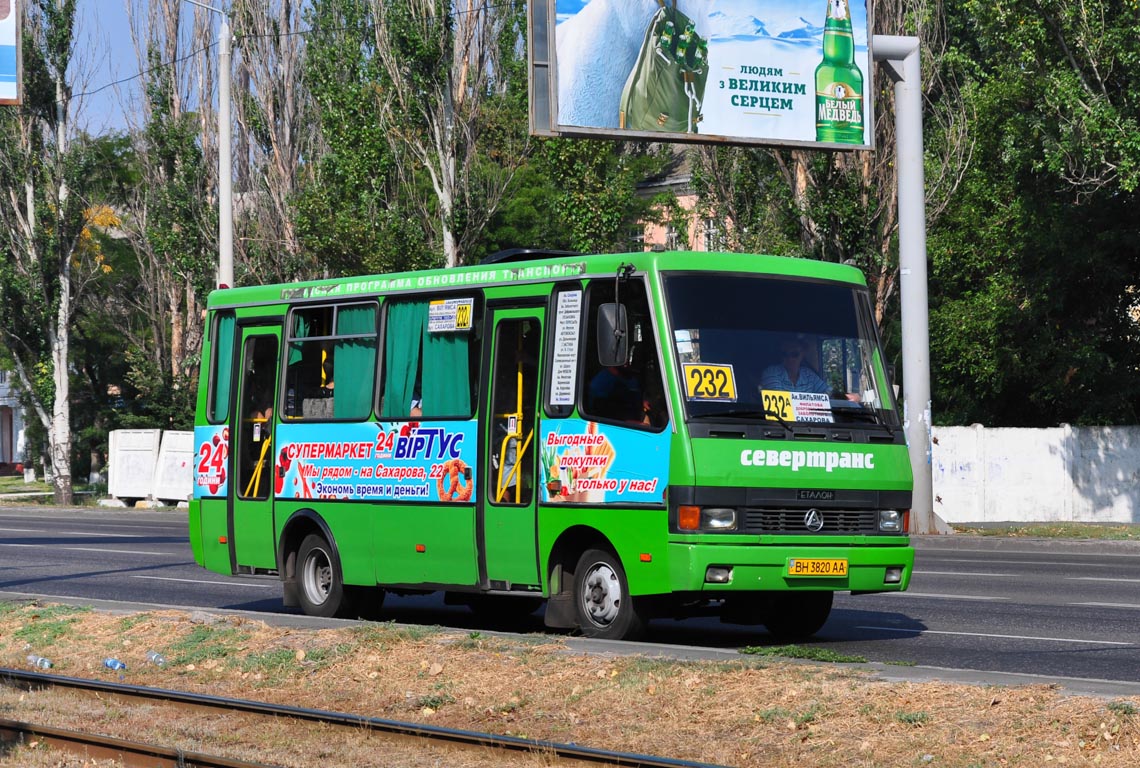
300, 331
405, 329
223, 366
446, 384
355, 361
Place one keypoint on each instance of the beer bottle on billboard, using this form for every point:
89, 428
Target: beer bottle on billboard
838, 81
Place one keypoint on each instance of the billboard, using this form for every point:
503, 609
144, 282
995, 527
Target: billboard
9, 52
777, 72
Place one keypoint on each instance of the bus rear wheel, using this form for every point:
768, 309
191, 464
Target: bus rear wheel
795, 616
602, 601
321, 590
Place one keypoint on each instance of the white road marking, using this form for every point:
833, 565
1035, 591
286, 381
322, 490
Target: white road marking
54, 532
91, 549
1002, 637
991, 574
1101, 578
235, 582
908, 593
1108, 605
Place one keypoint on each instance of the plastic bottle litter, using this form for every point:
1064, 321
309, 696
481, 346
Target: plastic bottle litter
156, 658
39, 662
114, 664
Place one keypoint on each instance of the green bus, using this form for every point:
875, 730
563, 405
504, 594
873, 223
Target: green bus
620, 436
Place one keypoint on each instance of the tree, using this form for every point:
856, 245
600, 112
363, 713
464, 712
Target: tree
350, 217
597, 200
1033, 284
276, 131
170, 219
449, 73
42, 221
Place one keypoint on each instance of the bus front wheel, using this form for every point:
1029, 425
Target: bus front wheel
602, 601
318, 573
795, 616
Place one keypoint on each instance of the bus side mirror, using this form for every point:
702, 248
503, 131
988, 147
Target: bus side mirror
613, 335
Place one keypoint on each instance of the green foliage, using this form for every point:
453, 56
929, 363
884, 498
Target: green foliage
803, 652
743, 186
1033, 265
350, 215
913, 718
204, 643
44, 625
1125, 708
596, 195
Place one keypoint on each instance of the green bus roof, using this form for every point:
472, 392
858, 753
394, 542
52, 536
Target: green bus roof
532, 271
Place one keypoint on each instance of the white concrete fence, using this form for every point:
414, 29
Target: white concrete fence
1058, 474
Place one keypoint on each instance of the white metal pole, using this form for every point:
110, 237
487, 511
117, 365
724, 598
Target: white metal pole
225, 164
901, 55
225, 161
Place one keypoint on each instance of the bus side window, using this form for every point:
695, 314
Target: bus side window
327, 343
632, 394
222, 350
430, 359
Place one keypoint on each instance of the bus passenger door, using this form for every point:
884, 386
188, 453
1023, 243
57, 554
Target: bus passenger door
507, 530
252, 539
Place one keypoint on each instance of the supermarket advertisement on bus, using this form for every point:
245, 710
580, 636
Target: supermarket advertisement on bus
392, 462
405, 461
584, 462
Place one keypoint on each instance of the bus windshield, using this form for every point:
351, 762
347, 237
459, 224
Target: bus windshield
778, 349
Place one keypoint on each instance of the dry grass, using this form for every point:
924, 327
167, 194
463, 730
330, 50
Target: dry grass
748, 713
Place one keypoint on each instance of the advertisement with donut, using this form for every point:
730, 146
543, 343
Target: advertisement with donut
397, 461
584, 462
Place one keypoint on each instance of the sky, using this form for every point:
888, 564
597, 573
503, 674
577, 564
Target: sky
108, 55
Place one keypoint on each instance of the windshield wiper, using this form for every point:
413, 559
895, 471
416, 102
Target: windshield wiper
864, 413
750, 413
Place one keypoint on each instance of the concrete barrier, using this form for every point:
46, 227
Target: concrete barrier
150, 464
1058, 474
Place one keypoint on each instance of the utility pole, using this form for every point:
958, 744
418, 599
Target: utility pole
225, 160
901, 57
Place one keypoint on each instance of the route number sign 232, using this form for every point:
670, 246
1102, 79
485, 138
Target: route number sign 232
715, 383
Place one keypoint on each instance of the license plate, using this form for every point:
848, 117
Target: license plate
817, 566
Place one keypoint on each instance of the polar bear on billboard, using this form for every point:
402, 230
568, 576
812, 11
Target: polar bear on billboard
598, 47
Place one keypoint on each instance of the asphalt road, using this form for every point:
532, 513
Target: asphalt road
977, 609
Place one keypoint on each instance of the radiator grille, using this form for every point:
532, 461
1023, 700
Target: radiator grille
835, 521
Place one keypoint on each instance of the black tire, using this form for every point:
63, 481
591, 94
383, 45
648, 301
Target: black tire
602, 601
795, 616
320, 585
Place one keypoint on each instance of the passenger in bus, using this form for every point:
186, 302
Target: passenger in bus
791, 374
260, 401
615, 392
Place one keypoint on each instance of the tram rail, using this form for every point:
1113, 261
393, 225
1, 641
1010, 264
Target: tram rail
555, 752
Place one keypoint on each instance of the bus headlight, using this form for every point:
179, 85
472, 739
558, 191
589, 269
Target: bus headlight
694, 518
890, 521
718, 519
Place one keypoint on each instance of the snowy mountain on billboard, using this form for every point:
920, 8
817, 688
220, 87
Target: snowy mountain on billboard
725, 26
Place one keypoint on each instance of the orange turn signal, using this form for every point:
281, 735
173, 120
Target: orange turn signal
221, 539
421, 548
689, 518
646, 557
